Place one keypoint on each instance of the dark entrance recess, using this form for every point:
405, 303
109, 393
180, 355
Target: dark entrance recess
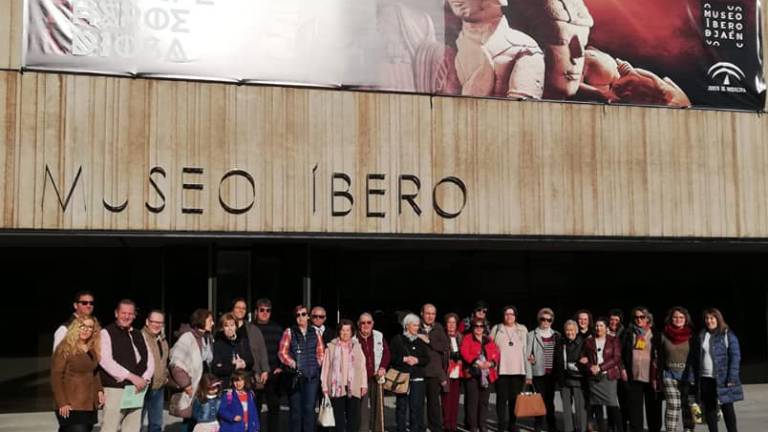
350, 275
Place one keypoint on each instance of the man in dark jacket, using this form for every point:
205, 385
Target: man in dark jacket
433, 334
319, 317
256, 343
272, 332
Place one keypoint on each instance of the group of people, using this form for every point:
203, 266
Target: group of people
222, 375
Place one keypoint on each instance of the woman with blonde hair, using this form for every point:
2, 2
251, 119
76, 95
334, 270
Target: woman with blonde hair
75, 379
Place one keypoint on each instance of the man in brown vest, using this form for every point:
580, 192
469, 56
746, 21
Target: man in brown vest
125, 360
158, 349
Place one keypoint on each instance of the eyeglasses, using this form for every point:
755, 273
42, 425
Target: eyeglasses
640, 317
265, 309
545, 319
318, 316
483, 310
301, 314
366, 322
156, 322
85, 303
479, 326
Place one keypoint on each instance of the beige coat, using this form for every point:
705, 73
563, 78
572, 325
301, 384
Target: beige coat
360, 375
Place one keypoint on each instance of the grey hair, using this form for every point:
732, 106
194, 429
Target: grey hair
571, 322
546, 311
410, 319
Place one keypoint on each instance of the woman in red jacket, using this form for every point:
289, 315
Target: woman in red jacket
602, 358
480, 356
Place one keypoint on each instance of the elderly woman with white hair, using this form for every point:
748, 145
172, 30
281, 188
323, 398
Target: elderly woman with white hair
409, 355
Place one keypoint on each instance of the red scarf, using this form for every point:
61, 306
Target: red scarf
677, 335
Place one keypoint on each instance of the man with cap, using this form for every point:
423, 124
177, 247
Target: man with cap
479, 312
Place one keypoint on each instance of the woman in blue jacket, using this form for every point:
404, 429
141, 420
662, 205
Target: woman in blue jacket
238, 412
716, 370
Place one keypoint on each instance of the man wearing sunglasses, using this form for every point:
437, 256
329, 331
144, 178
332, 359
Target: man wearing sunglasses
318, 317
255, 338
83, 307
272, 333
376, 352
480, 312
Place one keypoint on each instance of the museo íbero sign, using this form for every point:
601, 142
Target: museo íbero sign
339, 191
681, 53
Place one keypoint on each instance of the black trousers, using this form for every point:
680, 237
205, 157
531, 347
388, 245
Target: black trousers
639, 394
78, 421
477, 405
709, 400
346, 413
614, 422
546, 386
434, 410
622, 389
507, 389
270, 395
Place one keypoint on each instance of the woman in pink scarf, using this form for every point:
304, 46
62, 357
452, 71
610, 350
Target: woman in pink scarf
344, 378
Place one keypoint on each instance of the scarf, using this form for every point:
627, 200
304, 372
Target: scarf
639, 331
677, 335
341, 377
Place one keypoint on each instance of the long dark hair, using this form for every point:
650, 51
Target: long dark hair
206, 382
722, 326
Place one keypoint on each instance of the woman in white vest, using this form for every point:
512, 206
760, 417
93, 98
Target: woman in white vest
188, 358
377, 357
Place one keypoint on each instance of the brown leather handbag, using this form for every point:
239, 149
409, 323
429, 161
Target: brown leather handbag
397, 382
530, 404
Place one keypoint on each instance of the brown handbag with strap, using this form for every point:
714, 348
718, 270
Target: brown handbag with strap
396, 381
530, 404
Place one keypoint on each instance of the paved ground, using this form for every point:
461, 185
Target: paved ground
752, 416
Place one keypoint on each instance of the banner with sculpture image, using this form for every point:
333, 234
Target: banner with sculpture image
685, 53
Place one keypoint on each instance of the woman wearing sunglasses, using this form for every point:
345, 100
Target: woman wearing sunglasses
539, 367
641, 356
75, 377
480, 356
302, 352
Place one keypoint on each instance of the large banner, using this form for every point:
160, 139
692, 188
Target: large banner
681, 53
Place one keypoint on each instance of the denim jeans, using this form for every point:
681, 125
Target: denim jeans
302, 401
153, 408
411, 407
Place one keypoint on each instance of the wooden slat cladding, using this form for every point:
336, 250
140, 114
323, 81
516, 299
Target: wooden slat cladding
123, 154
10, 33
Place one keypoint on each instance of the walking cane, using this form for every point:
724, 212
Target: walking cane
379, 407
